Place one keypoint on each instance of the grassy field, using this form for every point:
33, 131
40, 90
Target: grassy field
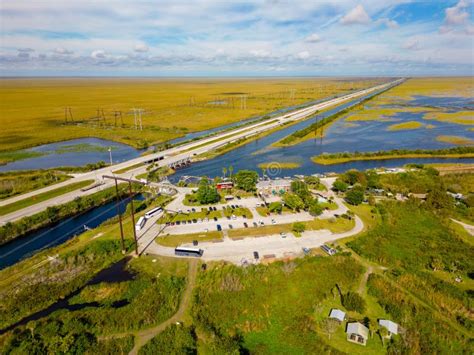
279, 165
16, 183
455, 140
178, 239
405, 126
12, 207
32, 110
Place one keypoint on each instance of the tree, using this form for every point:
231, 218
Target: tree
275, 207
355, 196
315, 208
339, 185
293, 201
231, 170
224, 172
312, 181
353, 302
298, 227
246, 180
330, 325
206, 193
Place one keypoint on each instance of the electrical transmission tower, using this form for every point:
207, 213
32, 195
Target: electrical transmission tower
117, 115
137, 116
68, 114
292, 94
243, 102
101, 115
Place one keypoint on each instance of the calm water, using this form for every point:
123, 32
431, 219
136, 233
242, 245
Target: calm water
341, 137
75, 152
66, 229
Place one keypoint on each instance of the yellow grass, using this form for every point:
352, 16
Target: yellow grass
323, 160
32, 110
460, 117
405, 126
455, 140
279, 165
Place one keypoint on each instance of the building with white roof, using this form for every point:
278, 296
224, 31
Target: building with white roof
392, 327
357, 333
337, 314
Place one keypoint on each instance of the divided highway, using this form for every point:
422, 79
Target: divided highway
173, 155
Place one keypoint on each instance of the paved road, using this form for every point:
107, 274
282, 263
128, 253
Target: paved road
469, 228
173, 155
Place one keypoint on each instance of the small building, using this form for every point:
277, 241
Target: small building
224, 185
337, 314
357, 333
391, 327
273, 187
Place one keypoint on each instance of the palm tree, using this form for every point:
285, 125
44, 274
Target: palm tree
231, 169
224, 171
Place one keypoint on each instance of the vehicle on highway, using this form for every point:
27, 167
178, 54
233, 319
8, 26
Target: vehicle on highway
255, 255
140, 224
219, 228
153, 212
181, 251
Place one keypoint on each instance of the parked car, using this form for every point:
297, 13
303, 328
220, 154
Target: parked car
238, 197
195, 242
230, 226
246, 225
193, 209
255, 255
255, 224
215, 219
273, 221
234, 217
219, 228
195, 220
283, 235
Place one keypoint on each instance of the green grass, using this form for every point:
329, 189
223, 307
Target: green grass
8, 157
15, 206
179, 239
17, 183
279, 165
128, 168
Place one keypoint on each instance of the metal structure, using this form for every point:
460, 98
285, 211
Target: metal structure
137, 118
68, 114
118, 115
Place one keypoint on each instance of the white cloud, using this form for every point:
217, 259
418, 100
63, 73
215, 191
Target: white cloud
357, 15
98, 54
388, 22
260, 53
303, 55
141, 48
62, 51
412, 44
313, 38
456, 15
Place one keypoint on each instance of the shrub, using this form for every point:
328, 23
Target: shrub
353, 302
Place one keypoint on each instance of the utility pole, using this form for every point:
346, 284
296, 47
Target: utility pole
133, 217
120, 217
110, 154
116, 178
68, 114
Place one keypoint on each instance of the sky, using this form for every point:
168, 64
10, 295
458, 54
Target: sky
236, 38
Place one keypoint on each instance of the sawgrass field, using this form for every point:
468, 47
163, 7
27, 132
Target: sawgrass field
32, 111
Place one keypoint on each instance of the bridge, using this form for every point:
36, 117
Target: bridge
182, 163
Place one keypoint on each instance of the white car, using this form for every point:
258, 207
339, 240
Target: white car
273, 221
283, 235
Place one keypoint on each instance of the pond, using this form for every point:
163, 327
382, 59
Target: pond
75, 152
58, 233
340, 137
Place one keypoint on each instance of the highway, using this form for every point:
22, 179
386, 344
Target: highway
173, 155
